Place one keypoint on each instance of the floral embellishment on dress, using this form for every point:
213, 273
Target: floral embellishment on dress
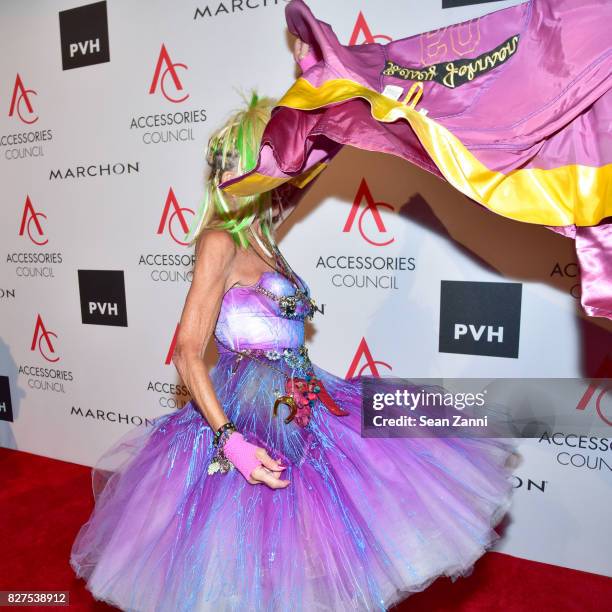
297, 358
301, 394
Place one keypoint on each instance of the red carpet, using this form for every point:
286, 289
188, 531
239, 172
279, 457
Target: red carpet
43, 503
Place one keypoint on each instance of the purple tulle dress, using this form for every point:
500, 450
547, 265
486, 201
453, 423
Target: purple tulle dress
364, 523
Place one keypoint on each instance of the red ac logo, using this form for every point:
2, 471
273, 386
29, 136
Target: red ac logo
371, 207
21, 98
159, 77
31, 216
168, 359
178, 213
41, 334
363, 351
362, 29
597, 391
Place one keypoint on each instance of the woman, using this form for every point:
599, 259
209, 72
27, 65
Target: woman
260, 493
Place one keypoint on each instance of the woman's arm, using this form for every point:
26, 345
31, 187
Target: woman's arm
215, 252
213, 269
303, 54
286, 197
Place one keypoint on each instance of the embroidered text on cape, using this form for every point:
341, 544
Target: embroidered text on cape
457, 72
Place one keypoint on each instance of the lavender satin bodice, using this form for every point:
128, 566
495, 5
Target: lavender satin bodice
251, 317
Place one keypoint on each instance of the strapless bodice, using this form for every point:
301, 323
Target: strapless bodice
266, 315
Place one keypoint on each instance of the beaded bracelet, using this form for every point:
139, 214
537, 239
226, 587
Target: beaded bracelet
219, 462
226, 429
224, 437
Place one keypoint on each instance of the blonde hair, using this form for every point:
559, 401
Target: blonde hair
235, 147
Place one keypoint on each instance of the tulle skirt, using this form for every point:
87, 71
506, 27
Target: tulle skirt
364, 523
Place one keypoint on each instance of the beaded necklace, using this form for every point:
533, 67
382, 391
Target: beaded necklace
288, 304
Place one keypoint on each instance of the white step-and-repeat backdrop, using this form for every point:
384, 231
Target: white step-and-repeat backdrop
105, 111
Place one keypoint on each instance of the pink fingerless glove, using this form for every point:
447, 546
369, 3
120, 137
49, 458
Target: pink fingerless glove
242, 454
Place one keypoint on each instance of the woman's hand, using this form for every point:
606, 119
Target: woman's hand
269, 472
253, 462
300, 49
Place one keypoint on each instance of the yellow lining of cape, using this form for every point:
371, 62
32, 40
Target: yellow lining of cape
260, 183
566, 195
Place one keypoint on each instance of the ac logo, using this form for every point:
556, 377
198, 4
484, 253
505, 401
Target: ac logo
170, 352
21, 104
596, 393
43, 335
371, 208
164, 67
363, 352
362, 33
28, 217
168, 218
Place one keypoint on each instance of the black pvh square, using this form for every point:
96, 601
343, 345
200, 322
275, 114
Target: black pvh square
6, 406
84, 36
478, 318
102, 295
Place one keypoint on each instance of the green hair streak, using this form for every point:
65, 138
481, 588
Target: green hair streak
236, 144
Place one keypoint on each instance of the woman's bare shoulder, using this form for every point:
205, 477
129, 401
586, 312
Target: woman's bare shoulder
215, 254
216, 244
